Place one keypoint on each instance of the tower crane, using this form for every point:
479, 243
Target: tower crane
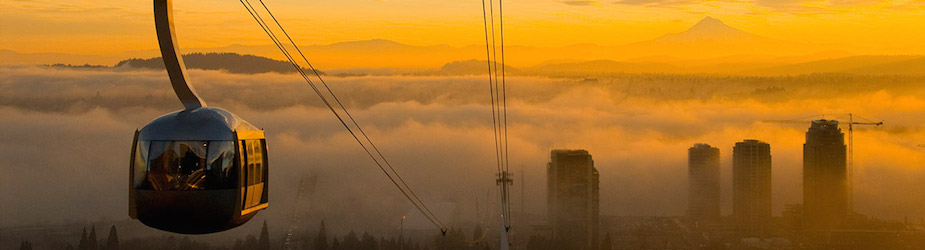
306, 185
851, 124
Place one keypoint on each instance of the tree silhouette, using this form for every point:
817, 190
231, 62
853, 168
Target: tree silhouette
92, 244
607, 243
112, 243
321, 240
83, 245
264, 241
335, 245
368, 242
351, 241
250, 242
25, 246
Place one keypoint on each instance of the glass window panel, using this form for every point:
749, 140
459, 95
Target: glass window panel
254, 161
220, 165
266, 173
140, 166
157, 148
187, 165
256, 172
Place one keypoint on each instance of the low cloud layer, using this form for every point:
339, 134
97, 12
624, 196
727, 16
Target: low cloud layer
66, 137
580, 2
781, 6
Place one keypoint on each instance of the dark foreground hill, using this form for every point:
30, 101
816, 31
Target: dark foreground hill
230, 62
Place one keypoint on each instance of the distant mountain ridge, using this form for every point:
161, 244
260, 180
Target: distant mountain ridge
596, 66
708, 29
709, 46
911, 65
712, 38
708, 38
863, 65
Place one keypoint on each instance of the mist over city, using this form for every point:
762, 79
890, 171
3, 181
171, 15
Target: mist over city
706, 128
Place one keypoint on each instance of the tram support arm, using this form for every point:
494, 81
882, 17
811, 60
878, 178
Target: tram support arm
173, 60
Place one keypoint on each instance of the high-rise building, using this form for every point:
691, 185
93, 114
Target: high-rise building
703, 182
751, 186
825, 175
573, 199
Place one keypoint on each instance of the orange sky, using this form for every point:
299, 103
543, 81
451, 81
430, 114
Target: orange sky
107, 27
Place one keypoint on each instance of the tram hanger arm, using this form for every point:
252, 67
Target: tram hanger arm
173, 60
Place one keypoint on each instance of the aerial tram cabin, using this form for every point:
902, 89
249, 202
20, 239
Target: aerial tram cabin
198, 170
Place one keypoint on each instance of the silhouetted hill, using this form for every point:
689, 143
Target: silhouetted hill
9, 57
230, 62
373, 44
602, 66
915, 66
867, 65
472, 67
369, 54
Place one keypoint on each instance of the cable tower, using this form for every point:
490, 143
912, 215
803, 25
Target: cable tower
497, 85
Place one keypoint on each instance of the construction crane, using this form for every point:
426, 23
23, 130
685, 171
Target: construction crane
851, 124
306, 185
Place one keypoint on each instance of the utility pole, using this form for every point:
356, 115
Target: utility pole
401, 234
523, 192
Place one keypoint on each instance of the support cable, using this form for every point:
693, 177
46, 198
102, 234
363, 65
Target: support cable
253, 12
497, 97
344, 109
507, 163
498, 91
491, 89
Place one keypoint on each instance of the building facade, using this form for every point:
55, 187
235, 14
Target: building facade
825, 175
703, 182
573, 200
751, 187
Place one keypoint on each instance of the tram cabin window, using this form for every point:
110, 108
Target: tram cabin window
184, 165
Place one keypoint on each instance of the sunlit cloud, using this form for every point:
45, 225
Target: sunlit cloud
657, 3
580, 3
59, 7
